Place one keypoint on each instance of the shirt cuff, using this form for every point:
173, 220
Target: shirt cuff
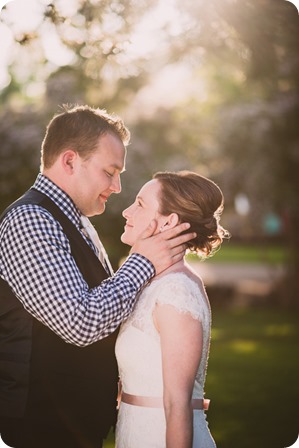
138, 269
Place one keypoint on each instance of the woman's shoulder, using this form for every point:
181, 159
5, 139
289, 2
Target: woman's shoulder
185, 279
183, 290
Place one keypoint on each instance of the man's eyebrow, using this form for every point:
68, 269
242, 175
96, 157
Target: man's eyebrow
118, 168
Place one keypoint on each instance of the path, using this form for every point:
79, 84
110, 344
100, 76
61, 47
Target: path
245, 278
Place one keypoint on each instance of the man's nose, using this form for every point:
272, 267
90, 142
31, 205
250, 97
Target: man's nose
116, 184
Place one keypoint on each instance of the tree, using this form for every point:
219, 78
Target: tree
262, 133
238, 122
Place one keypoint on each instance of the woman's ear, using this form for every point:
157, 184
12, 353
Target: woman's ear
169, 221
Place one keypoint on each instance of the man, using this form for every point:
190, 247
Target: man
59, 309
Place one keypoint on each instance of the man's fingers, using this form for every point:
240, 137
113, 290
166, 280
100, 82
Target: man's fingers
172, 233
149, 231
178, 256
181, 239
163, 249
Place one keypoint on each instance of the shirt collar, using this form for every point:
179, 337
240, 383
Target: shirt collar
60, 197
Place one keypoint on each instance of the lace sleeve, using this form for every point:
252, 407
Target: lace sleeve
184, 294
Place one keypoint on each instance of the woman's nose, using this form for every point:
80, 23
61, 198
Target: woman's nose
126, 212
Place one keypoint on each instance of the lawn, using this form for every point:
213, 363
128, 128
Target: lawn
253, 378
248, 253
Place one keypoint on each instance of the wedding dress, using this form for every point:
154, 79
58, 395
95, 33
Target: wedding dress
138, 354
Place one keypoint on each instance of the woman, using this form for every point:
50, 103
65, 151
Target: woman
162, 349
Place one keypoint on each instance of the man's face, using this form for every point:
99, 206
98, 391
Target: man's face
98, 176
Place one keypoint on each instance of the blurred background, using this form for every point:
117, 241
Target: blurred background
211, 86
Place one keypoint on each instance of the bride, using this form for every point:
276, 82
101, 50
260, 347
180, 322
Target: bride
162, 348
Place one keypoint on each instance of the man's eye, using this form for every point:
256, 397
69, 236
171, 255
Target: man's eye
139, 204
109, 174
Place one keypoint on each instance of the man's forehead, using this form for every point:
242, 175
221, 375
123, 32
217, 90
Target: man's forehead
117, 167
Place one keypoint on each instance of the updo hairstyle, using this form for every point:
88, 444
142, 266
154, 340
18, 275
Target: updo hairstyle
197, 200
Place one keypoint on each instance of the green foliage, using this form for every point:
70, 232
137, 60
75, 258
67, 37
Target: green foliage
253, 378
21, 136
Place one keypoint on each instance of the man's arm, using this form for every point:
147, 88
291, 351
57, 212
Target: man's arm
37, 263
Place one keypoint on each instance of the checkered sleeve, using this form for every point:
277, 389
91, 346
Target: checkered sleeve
37, 263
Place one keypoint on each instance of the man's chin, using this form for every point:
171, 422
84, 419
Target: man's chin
101, 209
95, 213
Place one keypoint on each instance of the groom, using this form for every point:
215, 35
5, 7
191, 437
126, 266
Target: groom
59, 307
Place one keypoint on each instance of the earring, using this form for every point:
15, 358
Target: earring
162, 227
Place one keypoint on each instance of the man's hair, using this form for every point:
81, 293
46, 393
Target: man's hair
79, 128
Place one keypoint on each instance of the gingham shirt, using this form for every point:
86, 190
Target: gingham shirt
36, 261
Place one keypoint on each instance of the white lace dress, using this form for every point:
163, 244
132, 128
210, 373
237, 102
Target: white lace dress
138, 354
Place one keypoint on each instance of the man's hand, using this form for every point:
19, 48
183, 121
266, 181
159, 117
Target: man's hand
163, 249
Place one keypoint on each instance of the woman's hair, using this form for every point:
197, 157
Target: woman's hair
197, 200
79, 128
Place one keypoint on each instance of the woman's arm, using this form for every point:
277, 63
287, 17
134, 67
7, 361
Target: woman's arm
181, 345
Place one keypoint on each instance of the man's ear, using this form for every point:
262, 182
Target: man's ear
170, 221
68, 160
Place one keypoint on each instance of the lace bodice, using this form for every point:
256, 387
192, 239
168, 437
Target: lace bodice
138, 346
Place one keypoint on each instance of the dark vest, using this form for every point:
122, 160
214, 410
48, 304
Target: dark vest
43, 378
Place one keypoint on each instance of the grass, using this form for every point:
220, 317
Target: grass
242, 253
253, 378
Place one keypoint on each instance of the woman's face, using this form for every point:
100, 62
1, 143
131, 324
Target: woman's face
144, 209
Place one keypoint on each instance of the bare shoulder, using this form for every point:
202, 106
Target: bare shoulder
193, 275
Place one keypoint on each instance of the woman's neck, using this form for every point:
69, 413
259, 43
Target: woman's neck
179, 266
